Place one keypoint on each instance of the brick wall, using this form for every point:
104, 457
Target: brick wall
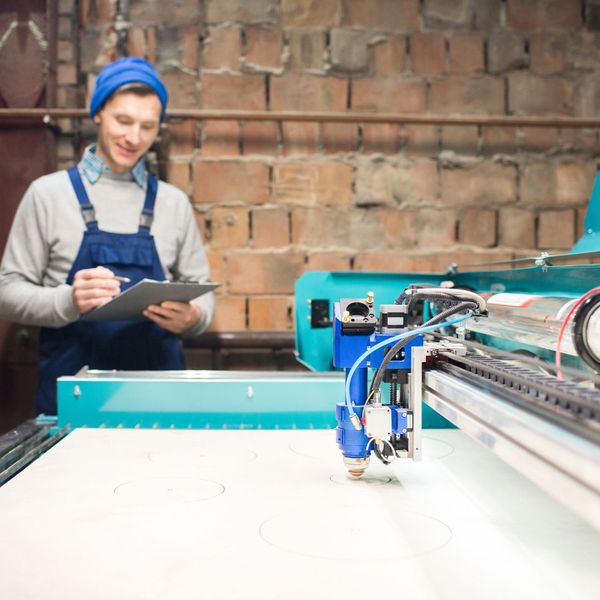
273, 200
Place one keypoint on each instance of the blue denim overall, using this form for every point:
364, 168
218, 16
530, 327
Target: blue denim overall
121, 345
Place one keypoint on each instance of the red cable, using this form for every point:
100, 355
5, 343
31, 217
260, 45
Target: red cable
572, 310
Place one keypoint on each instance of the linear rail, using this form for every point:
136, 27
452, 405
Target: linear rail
544, 429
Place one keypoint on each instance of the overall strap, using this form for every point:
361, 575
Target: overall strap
147, 215
87, 209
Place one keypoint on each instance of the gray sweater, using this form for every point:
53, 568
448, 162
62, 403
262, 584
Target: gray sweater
48, 229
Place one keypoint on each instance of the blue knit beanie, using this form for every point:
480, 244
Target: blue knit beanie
121, 72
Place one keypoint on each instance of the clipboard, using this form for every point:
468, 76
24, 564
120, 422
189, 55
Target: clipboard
129, 305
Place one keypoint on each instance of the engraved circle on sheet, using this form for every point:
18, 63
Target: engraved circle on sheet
166, 490
347, 532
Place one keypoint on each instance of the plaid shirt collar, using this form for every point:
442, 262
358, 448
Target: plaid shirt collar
93, 167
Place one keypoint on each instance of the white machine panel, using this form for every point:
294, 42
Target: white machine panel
147, 514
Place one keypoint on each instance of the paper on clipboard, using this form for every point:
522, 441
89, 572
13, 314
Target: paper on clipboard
130, 304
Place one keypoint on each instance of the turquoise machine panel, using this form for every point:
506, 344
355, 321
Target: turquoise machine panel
199, 400
590, 240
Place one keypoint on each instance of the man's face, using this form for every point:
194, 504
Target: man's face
128, 125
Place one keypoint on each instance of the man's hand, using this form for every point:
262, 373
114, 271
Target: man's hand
175, 317
93, 287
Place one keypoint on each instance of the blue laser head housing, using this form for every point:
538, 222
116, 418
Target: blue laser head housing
361, 342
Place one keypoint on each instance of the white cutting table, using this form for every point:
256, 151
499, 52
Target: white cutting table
145, 514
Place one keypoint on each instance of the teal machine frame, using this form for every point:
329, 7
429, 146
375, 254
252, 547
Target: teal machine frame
196, 399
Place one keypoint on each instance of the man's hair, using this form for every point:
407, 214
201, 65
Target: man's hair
139, 89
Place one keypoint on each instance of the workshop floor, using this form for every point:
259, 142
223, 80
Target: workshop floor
145, 514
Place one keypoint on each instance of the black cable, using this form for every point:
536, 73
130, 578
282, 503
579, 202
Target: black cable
376, 381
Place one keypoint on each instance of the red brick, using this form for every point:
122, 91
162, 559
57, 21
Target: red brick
310, 13
548, 53
272, 313
556, 229
222, 49
543, 14
233, 182
264, 48
555, 184
339, 137
259, 137
539, 139
477, 227
499, 140
300, 137
328, 261
587, 96
399, 227
486, 183
462, 139
320, 227
66, 75
270, 227
182, 136
506, 51
574, 183
313, 184
466, 53
435, 227
216, 260
189, 48
427, 53
182, 88
382, 15
389, 57
567, 138
388, 95
161, 14
420, 139
136, 42
393, 262
587, 139
66, 7
533, 95
538, 184
151, 44
251, 11
230, 314
473, 95
229, 227
220, 138
232, 92
306, 49
300, 91
65, 51
380, 137
264, 273
348, 50
516, 228
96, 12
581, 214
405, 184
178, 173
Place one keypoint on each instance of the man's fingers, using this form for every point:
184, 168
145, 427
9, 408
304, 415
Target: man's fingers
89, 293
95, 273
100, 284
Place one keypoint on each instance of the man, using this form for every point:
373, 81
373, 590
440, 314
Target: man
83, 235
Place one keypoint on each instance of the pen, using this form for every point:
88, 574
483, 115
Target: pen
122, 279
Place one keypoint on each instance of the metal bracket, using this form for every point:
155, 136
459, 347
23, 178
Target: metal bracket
544, 261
